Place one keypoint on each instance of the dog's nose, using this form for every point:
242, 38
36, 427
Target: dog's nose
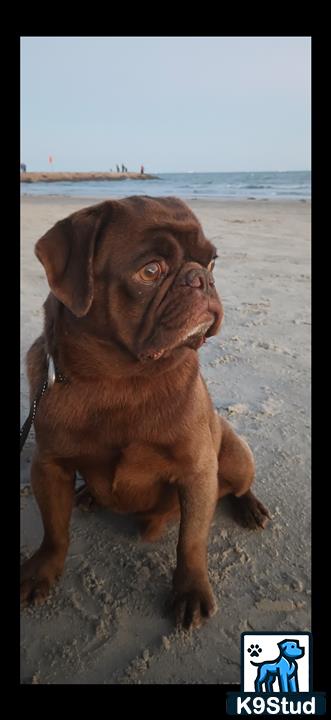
199, 278
195, 278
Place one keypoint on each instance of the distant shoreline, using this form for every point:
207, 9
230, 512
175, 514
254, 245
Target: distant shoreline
32, 177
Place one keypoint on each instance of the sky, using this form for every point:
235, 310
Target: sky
173, 104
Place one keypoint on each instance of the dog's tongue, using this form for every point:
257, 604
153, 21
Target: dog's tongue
155, 355
196, 342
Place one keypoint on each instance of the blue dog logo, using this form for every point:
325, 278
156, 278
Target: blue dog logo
285, 668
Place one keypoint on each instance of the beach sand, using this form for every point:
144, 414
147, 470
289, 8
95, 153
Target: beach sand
107, 621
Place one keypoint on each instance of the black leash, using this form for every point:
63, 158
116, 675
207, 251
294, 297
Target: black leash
52, 376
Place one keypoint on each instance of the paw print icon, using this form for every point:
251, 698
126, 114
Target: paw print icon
254, 650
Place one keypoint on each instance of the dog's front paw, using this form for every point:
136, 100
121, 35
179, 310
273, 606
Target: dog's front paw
38, 574
194, 603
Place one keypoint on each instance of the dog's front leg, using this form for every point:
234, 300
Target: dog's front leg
53, 487
194, 599
283, 682
293, 685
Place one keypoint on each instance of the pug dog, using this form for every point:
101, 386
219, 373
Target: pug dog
132, 299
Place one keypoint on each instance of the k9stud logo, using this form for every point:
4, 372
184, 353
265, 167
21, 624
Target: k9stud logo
276, 676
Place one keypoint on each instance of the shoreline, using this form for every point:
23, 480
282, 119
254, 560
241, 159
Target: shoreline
34, 177
49, 197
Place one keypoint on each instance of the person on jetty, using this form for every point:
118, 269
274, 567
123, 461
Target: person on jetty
142, 170
23, 167
117, 168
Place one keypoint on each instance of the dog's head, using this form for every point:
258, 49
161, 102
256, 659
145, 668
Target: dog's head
291, 649
136, 272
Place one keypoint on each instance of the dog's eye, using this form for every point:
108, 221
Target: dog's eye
150, 273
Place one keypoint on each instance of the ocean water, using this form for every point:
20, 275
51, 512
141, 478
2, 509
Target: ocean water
271, 185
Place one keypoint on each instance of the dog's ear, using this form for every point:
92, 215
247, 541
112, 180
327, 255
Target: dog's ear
66, 252
282, 644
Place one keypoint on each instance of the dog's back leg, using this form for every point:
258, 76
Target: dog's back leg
236, 470
269, 683
261, 678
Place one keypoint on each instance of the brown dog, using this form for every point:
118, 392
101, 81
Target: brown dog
132, 299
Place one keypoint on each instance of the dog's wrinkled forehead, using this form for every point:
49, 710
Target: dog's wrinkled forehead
138, 223
165, 209
114, 238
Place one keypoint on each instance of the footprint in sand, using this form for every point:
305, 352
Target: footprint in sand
260, 308
238, 409
271, 406
274, 348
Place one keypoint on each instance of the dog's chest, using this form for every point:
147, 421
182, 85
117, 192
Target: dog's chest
130, 480
74, 424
